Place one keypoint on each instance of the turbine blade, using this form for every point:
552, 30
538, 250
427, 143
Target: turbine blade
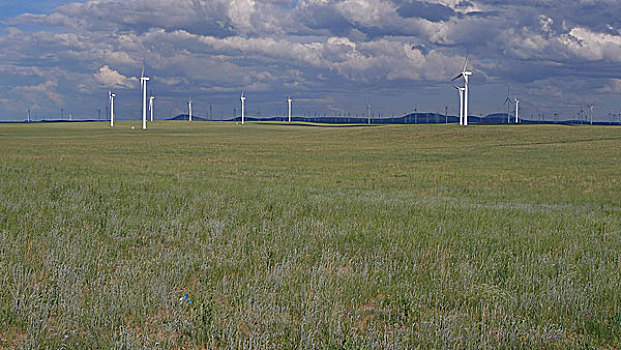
457, 77
466, 64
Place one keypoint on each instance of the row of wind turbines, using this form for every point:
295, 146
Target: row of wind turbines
464, 100
242, 98
149, 108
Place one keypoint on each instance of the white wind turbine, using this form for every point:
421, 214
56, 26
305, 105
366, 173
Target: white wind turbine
190, 109
466, 75
111, 95
289, 100
517, 110
243, 107
143, 83
461, 104
151, 99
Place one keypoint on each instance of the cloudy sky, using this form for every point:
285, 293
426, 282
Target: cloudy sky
331, 56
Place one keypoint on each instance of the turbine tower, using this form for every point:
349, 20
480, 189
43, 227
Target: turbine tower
289, 100
190, 109
461, 104
243, 107
111, 95
151, 98
517, 110
143, 83
465, 73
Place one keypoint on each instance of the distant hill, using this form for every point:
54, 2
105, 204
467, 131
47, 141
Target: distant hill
187, 117
413, 118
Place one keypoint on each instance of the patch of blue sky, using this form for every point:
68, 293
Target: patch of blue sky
12, 8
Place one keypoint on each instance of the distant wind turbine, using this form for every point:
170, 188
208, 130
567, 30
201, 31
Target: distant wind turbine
111, 95
243, 107
508, 103
289, 100
151, 98
143, 83
190, 109
517, 110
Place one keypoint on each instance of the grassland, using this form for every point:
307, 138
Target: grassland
394, 237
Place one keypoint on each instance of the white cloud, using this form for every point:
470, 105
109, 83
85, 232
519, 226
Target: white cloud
591, 45
372, 13
46, 89
614, 86
112, 79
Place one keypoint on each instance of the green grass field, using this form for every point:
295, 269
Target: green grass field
309, 237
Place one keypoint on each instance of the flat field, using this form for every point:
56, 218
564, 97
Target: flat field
309, 237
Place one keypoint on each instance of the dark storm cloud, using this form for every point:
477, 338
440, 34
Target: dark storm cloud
423, 9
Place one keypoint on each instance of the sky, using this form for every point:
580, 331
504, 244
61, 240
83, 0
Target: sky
331, 56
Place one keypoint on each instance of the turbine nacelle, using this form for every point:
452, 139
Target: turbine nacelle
464, 75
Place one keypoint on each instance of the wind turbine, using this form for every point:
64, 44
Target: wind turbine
517, 110
243, 107
508, 103
190, 109
591, 110
289, 100
465, 73
143, 83
151, 98
111, 95
461, 104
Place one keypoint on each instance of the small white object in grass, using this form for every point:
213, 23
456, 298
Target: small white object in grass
133, 128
